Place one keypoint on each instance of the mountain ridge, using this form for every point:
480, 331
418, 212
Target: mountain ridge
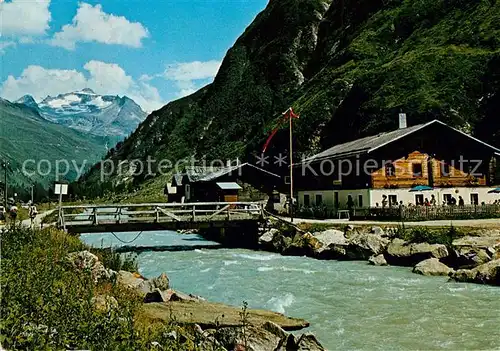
348, 68
86, 111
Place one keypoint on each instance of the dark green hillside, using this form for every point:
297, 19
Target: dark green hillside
25, 135
348, 67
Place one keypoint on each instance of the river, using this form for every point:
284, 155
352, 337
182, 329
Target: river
350, 304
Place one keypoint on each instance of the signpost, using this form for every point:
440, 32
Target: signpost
60, 189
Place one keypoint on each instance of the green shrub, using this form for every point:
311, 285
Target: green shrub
428, 235
45, 304
116, 261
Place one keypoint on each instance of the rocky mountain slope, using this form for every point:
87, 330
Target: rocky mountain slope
102, 115
348, 67
26, 135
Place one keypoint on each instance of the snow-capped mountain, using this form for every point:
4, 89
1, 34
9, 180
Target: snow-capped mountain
28, 101
103, 115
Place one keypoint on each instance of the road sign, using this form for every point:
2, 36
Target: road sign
61, 189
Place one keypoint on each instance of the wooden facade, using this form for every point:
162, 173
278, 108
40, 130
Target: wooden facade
419, 168
437, 156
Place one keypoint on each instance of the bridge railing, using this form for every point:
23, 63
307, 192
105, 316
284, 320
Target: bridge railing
86, 215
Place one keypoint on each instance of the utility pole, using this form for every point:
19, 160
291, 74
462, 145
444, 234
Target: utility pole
5, 164
32, 188
291, 168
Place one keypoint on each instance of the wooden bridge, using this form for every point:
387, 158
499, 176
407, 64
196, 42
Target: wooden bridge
158, 216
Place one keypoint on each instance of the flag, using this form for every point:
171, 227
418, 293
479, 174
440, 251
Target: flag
286, 116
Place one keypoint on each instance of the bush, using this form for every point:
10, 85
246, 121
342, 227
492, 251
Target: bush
45, 304
427, 235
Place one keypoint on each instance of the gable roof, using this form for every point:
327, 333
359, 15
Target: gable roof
374, 142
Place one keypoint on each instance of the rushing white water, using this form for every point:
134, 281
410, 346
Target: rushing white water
350, 305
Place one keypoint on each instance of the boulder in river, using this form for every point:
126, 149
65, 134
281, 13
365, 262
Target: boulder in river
266, 239
332, 244
378, 260
488, 273
432, 266
302, 245
402, 253
363, 245
331, 236
466, 257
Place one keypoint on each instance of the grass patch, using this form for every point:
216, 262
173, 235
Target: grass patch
443, 236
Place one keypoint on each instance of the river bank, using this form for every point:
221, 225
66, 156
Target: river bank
463, 254
349, 304
58, 292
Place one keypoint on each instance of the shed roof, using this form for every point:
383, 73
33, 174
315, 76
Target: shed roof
228, 185
209, 173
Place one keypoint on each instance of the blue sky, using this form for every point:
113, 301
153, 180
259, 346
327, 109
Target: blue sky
153, 51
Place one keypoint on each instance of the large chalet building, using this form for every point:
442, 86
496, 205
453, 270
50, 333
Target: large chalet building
408, 165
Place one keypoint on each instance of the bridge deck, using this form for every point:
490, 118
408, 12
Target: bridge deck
134, 217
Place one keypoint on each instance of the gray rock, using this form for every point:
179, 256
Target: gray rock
432, 266
399, 252
266, 239
488, 273
466, 257
331, 236
378, 260
364, 245
161, 282
275, 329
87, 261
174, 295
206, 340
377, 230
255, 339
308, 342
131, 281
332, 244
156, 296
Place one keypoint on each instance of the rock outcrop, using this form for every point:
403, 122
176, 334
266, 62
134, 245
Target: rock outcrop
362, 245
266, 240
88, 262
378, 260
332, 244
152, 290
432, 266
402, 253
268, 336
488, 273
472, 251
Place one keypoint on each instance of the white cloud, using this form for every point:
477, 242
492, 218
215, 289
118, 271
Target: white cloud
92, 24
103, 78
188, 77
40, 82
24, 17
195, 70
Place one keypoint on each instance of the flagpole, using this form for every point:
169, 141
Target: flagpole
291, 167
